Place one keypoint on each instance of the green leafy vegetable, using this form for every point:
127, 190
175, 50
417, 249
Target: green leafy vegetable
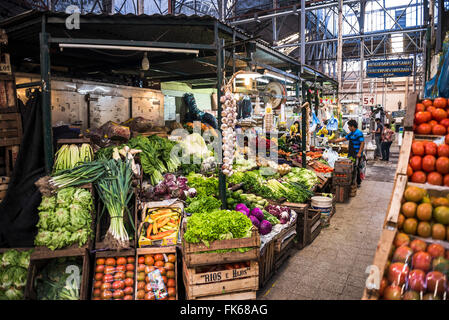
203, 204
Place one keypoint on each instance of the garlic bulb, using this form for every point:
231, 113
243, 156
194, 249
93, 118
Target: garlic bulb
229, 120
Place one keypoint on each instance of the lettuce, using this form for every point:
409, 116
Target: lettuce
43, 237
46, 220
220, 224
203, 204
62, 217
83, 198
79, 217
10, 258
47, 204
64, 197
14, 294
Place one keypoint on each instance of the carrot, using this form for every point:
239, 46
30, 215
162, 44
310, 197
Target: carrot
161, 235
150, 227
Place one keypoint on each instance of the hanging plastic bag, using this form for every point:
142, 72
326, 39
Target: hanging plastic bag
362, 167
330, 156
332, 124
346, 128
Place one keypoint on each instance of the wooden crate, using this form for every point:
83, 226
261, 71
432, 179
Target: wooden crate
11, 153
217, 283
285, 236
266, 263
353, 190
74, 249
103, 221
8, 95
38, 261
111, 254
404, 153
282, 256
161, 250
313, 225
341, 194
77, 141
10, 129
394, 207
244, 295
301, 221
410, 111
196, 254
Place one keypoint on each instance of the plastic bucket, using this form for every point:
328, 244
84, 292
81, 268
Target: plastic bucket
324, 205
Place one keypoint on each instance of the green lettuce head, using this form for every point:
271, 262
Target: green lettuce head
24, 259
80, 217
64, 197
10, 258
62, 217
14, 294
43, 238
83, 197
47, 204
46, 220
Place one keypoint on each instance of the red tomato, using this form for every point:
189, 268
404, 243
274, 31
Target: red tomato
130, 260
108, 278
418, 148
446, 181
428, 163
424, 128
129, 274
397, 273
121, 260
129, 282
443, 150
432, 123
118, 285
420, 107
436, 282
427, 103
99, 268
141, 260
130, 267
150, 296
128, 290
445, 122
106, 286
422, 261
148, 287
409, 171
100, 261
96, 298
421, 117
415, 163
419, 177
106, 295
435, 178
109, 270
97, 284
439, 130
117, 294
119, 276
442, 165
96, 293
110, 262
439, 114
417, 280
120, 268
140, 294
431, 148
128, 297
98, 276
440, 103
141, 285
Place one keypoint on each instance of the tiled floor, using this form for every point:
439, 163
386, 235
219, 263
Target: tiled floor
333, 266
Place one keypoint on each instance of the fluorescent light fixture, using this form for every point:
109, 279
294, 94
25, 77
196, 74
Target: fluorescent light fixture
248, 75
145, 62
263, 80
277, 76
126, 48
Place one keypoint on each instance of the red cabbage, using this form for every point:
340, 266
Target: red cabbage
257, 212
265, 227
255, 221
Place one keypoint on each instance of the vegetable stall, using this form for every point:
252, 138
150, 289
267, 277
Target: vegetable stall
139, 215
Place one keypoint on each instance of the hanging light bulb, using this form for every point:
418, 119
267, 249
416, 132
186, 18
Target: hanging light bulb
145, 62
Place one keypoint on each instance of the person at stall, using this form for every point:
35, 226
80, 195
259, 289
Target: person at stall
356, 146
323, 130
387, 140
295, 133
378, 138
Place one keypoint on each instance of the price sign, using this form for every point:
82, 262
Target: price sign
369, 100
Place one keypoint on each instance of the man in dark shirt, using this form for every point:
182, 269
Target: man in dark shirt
378, 138
356, 146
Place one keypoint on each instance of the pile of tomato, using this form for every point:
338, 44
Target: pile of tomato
114, 279
432, 117
148, 263
429, 162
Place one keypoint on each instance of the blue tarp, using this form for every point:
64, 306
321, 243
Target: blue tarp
438, 86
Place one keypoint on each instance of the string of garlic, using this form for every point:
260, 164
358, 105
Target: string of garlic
228, 122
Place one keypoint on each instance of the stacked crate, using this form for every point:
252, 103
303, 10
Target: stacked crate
342, 179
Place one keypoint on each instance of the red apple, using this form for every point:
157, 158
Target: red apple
418, 245
436, 282
435, 250
421, 260
417, 280
383, 285
397, 273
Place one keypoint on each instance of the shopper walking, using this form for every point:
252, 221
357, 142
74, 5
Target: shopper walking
387, 139
356, 146
378, 138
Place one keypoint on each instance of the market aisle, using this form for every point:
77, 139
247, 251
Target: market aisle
333, 266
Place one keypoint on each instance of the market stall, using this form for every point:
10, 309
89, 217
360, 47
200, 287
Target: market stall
412, 255
147, 213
